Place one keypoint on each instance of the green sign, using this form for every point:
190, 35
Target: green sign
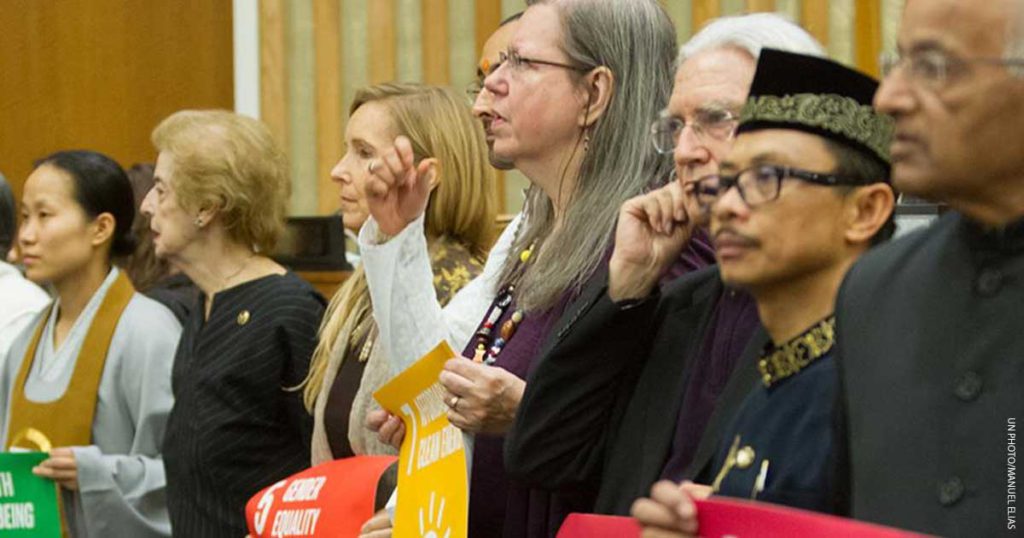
28, 503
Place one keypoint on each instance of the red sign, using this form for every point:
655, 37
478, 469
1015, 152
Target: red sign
332, 499
721, 517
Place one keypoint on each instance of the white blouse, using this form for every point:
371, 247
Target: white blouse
410, 320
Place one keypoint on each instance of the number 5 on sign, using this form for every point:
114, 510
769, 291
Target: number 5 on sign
432, 481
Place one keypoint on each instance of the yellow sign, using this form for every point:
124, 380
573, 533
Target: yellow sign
432, 482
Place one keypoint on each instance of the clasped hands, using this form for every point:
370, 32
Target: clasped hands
480, 399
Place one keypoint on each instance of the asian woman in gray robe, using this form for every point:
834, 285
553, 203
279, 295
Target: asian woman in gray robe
92, 371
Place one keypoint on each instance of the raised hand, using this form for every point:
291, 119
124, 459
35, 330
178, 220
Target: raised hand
652, 231
398, 189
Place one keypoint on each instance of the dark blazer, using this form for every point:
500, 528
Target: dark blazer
931, 354
601, 407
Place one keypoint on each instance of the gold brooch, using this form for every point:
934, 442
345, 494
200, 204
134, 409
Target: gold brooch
745, 457
243, 317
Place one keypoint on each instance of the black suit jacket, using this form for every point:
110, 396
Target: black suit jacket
931, 353
601, 407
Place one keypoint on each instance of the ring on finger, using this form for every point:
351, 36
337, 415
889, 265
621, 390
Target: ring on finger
454, 402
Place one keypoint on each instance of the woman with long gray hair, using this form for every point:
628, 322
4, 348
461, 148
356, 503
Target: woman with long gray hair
569, 105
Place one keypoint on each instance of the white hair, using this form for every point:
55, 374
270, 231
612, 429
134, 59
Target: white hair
751, 33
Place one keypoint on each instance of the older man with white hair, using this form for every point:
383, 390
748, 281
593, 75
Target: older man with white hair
625, 388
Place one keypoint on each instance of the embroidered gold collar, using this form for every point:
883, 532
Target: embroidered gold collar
778, 363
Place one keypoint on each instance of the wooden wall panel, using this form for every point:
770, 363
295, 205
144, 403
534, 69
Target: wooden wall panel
381, 15
274, 68
429, 40
868, 38
436, 66
760, 5
101, 74
814, 17
327, 33
704, 11
488, 17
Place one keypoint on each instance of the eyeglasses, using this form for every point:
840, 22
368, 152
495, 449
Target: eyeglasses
516, 62
934, 68
719, 125
474, 88
760, 184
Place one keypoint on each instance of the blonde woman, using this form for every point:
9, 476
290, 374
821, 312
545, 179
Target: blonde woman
347, 365
217, 207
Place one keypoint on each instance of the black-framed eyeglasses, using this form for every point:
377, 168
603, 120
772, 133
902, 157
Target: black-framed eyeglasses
760, 184
708, 125
933, 68
517, 62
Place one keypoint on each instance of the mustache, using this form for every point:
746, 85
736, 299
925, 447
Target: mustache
729, 234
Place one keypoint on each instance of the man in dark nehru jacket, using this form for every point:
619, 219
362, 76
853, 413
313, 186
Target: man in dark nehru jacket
800, 197
930, 339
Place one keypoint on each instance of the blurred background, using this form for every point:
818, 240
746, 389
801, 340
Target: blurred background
100, 74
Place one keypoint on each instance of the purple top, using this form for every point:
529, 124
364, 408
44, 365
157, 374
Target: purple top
698, 254
498, 507
494, 504
733, 322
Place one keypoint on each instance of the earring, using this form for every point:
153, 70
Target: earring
586, 140
199, 222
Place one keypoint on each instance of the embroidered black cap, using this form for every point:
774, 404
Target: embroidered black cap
819, 96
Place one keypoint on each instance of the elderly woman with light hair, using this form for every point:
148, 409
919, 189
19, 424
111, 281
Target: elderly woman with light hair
570, 106
217, 208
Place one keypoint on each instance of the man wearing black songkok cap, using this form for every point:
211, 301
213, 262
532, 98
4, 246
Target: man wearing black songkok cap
800, 197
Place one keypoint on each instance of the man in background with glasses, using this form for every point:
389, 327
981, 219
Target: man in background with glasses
610, 362
930, 342
490, 59
801, 195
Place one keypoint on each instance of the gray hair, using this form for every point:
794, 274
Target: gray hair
752, 33
635, 39
8, 217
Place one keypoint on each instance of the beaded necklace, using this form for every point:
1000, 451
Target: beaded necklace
488, 354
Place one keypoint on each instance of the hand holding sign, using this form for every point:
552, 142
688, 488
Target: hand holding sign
671, 510
379, 526
28, 503
390, 429
432, 482
60, 467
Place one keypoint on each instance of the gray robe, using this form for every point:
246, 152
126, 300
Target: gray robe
121, 475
